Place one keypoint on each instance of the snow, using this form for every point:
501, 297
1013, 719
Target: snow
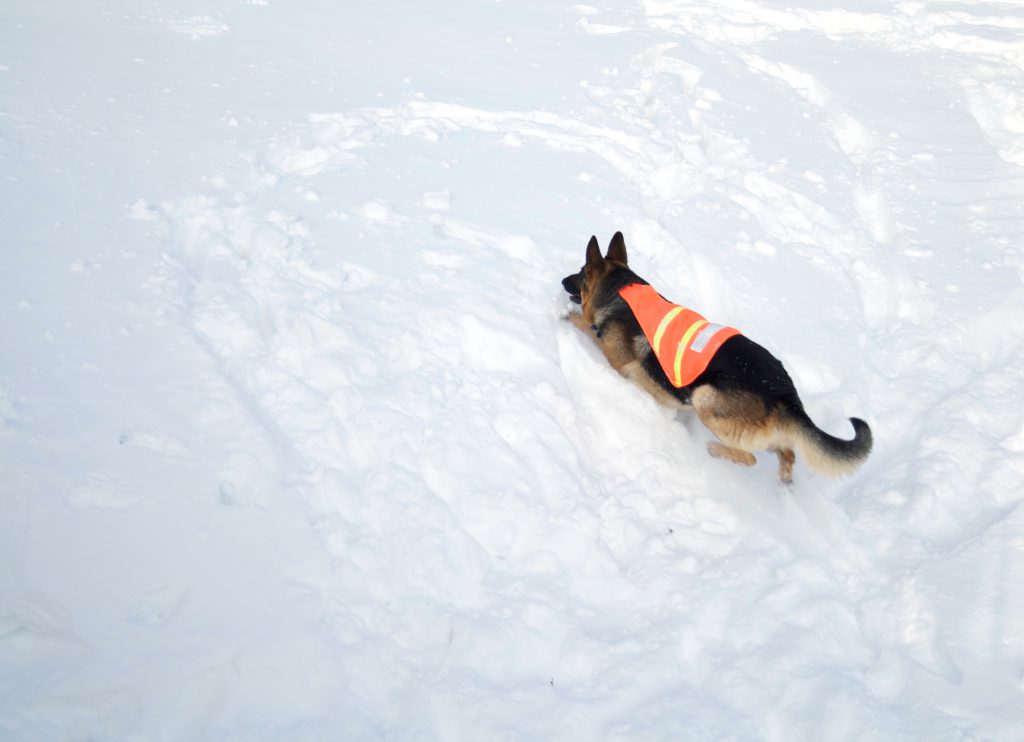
296, 444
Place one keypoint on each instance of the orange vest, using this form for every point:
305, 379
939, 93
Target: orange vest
683, 341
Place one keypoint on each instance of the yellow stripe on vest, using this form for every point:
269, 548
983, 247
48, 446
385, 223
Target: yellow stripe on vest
681, 348
665, 322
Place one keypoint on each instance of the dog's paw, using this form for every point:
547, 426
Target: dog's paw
576, 320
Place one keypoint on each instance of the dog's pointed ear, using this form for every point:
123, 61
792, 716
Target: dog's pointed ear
594, 253
617, 248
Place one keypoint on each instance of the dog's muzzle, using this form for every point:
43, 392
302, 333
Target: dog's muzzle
571, 284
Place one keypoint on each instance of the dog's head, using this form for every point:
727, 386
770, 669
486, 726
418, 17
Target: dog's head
582, 286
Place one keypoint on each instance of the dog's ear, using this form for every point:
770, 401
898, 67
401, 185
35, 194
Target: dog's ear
594, 253
617, 248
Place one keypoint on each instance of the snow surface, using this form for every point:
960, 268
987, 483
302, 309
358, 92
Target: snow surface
294, 440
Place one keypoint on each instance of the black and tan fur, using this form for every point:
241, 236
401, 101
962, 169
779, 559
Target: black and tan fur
745, 397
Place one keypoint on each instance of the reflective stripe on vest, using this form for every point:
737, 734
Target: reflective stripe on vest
683, 341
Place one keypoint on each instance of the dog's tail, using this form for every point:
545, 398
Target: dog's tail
827, 454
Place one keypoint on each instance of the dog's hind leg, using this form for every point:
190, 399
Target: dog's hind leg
786, 460
721, 451
738, 419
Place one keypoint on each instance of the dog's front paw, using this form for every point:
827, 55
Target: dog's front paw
576, 319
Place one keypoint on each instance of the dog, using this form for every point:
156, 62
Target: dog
738, 390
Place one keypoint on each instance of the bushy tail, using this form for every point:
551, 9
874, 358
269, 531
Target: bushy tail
827, 454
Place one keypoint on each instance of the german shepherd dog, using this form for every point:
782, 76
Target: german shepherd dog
744, 395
